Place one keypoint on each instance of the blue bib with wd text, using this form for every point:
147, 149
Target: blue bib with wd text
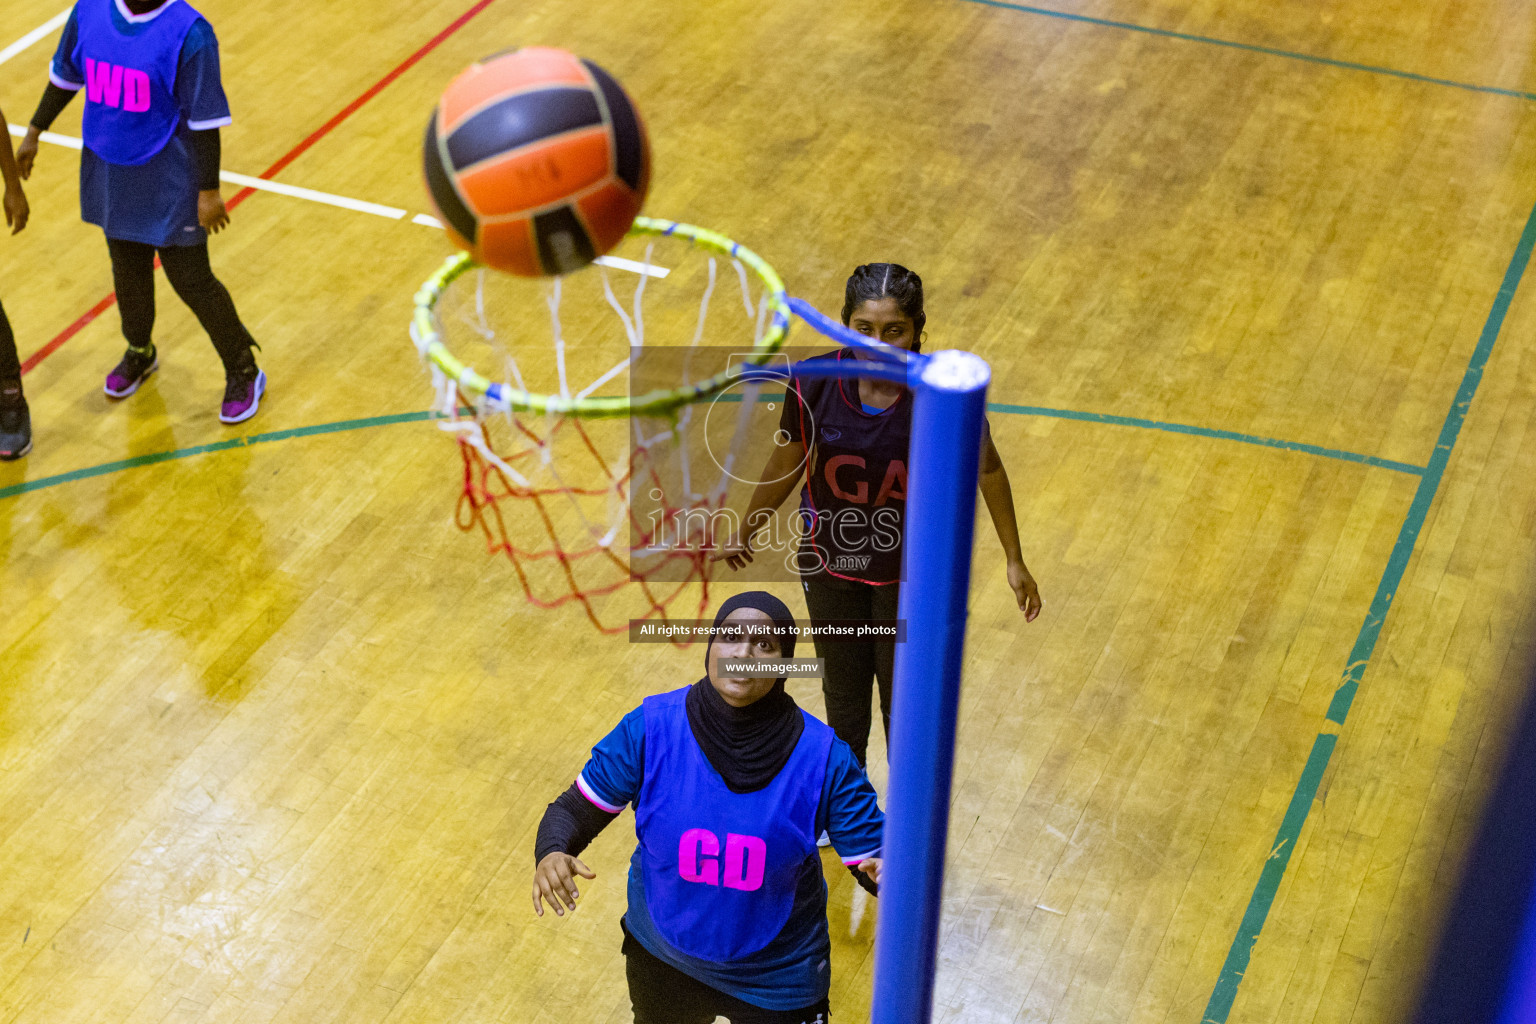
131, 110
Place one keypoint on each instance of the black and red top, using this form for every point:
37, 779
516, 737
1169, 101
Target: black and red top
855, 494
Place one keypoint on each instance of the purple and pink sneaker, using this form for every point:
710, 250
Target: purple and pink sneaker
242, 396
127, 375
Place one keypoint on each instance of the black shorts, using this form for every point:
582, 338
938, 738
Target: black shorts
662, 994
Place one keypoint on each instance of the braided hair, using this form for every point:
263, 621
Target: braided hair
873, 281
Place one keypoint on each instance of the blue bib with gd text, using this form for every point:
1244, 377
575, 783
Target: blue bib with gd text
720, 868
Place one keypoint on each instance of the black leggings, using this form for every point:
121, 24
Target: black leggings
10, 366
853, 667
662, 994
187, 267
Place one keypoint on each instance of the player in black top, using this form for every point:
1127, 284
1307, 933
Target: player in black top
854, 498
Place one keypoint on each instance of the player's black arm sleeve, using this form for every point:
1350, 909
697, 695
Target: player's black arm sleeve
868, 883
207, 152
569, 825
51, 106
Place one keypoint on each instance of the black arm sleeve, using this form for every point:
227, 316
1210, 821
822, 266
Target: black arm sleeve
51, 106
206, 151
864, 880
569, 825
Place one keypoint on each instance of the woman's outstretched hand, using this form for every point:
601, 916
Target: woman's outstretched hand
871, 867
555, 880
212, 214
26, 153
16, 209
735, 551
1025, 590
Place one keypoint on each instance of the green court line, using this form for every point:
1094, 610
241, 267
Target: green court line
1225, 991
1172, 428
42, 483
202, 449
1347, 65
1225, 435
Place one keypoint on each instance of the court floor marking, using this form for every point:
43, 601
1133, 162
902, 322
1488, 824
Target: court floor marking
1230, 435
395, 213
1225, 991
246, 181
342, 202
1347, 65
342, 426
153, 458
293, 154
262, 184
53, 24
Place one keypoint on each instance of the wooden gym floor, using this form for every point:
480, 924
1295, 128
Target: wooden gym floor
274, 736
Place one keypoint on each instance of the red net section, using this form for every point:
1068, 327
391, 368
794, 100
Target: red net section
618, 515
576, 535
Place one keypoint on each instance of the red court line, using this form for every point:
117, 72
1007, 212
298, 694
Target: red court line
68, 332
287, 158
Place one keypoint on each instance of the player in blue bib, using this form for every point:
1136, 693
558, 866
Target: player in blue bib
15, 418
731, 784
149, 173
850, 437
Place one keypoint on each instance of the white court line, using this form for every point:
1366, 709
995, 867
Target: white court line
616, 262
315, 197
245, 181
57, 21
358, 205
66, 141
620, 263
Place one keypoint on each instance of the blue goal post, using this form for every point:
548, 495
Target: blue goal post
948, 417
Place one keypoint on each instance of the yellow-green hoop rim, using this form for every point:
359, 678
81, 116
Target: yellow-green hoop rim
654, 403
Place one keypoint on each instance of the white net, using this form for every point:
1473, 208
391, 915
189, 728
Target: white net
617, 513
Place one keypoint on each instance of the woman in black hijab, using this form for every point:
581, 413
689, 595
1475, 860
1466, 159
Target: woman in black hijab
731, 784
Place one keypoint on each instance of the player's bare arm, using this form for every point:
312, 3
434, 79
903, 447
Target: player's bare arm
997, 492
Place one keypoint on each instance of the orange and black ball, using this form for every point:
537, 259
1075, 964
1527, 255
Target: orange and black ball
537, 161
